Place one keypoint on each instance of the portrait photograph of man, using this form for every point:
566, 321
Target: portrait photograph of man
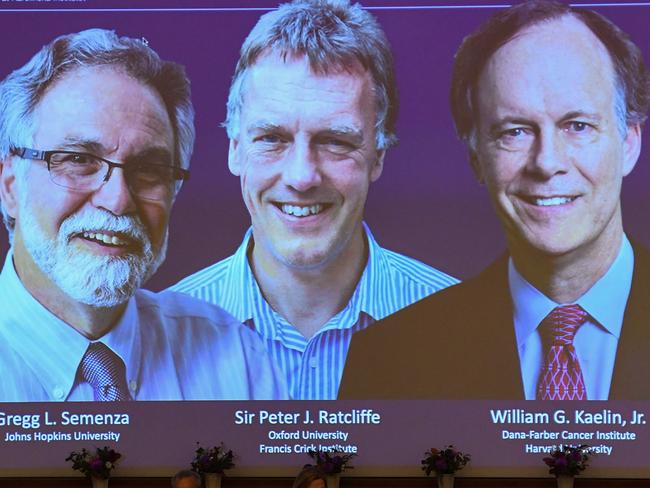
311, 113
326, 205
359, 212
550, 101
96, 134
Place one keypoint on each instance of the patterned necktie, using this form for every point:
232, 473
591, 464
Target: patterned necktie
561, 376
105, 372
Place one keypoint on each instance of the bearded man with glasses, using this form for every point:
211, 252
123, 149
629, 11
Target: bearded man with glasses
96, 134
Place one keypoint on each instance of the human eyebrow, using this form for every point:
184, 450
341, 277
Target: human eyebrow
152, 155
73, 143
157, 155
351, 135
263, 126
499, 125
580, 114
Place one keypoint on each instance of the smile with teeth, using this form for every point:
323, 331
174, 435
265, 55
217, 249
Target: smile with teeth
301, 211
105, 238
551, 201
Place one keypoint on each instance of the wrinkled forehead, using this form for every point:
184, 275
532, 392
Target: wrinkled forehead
287, 83
543, 42
103, 104
320, 63
96, 82
291, 65
561, 56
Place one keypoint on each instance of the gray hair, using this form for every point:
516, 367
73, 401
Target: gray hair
23, 89
332, 34
186, 473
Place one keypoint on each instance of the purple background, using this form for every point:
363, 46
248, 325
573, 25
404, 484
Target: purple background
393, 447
426, 205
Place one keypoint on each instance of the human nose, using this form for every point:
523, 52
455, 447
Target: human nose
114, 194
301, 169
550, 155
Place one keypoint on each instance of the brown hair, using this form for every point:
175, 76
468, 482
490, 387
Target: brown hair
632, 78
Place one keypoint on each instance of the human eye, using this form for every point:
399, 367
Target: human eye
153, 173
271, 139
514, 133
513, 138
340, 148
77, 164
337, 144
578, 127
80, 159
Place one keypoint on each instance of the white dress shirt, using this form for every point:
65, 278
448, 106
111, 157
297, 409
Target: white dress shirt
174, 348
595, 341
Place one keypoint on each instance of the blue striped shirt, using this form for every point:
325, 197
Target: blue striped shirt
313, 367
174, 347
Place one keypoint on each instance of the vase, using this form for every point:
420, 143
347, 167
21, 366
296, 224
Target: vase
565, 481
333, 480
445, 481
99, 482
212, 480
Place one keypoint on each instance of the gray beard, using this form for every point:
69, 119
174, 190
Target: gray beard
99, 281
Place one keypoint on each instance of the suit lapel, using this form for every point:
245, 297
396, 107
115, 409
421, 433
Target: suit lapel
631, 377
499, 359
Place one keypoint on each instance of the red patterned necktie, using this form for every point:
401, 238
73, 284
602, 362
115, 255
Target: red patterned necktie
105, 372
561, 376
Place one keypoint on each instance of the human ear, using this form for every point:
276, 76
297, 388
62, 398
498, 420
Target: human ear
476, 167
378, 166
8, 186
631, 148
233, 158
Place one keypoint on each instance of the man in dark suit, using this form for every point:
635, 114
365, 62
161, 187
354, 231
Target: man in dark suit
550, 101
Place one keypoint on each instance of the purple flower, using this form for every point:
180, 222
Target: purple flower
441, 465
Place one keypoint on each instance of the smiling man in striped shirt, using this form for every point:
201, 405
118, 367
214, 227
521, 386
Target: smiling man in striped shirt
311, 112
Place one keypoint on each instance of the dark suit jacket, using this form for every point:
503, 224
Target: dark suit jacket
460, 344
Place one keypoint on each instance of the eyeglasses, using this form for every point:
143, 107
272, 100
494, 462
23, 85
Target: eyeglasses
86, 172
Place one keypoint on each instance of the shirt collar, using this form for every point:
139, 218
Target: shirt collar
241, 279
374, 277
50, 347
604, 301
125, 340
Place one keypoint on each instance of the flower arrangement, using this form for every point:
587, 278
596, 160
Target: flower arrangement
97, 465
330, 463
444, 461
213, 459
568, 461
